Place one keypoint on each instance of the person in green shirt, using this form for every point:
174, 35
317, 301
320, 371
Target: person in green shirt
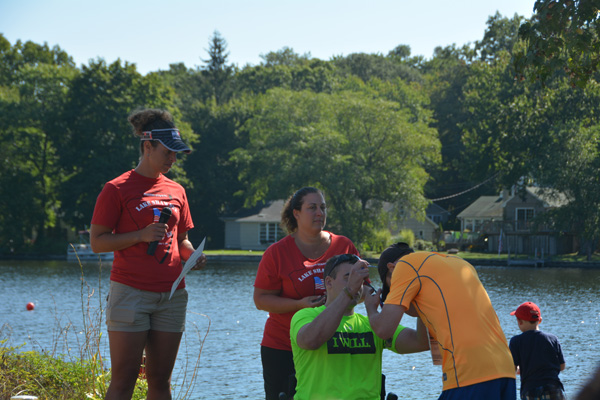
336, 353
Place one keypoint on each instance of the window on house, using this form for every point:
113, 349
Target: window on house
469, 224
270, 233
435, 218
523, 218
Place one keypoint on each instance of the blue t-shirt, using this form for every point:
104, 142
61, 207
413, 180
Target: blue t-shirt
539, 356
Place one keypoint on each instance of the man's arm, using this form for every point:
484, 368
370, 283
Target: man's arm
384, 323
312, 335
412, 341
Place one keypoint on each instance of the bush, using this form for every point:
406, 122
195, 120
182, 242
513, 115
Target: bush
378, 241
49, 378
423, 245
406, 236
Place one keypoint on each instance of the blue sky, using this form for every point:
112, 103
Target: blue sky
153, 34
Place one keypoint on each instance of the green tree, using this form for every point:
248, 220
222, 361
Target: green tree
314, 75
545, 133
446, 74
286, 56
217, 71
190, 86
563, 36
32, 93
368, 66
401, 51
360, 150
501, 34
573, 158
213, 177
487, 131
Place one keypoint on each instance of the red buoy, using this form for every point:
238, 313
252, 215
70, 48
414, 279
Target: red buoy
30, 306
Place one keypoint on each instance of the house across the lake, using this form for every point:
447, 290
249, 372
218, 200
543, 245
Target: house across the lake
510, 222
254, 228
258, 227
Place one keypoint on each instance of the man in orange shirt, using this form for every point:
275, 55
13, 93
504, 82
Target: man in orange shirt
450, 299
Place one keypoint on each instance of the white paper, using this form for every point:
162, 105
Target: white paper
188, 265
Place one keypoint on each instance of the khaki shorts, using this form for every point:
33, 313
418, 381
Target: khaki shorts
133, 310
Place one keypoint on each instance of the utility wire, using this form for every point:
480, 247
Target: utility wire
466, 191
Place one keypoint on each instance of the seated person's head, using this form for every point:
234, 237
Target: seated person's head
336, 272
387, 261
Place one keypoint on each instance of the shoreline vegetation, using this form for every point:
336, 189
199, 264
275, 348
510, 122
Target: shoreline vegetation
63, 372
572, 260
483, 259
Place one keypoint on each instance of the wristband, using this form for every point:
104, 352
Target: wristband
347, 291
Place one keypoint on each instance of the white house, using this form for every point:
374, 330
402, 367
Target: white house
256, 228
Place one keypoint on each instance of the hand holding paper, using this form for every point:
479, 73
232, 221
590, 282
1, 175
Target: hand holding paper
188, 265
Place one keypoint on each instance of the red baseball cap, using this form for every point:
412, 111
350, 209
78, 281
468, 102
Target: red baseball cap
528, 311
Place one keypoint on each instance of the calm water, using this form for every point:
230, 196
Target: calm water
225, 328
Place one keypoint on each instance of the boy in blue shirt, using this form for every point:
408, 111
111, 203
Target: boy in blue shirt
537, 355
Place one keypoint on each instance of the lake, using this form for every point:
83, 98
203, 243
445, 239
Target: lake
225, 329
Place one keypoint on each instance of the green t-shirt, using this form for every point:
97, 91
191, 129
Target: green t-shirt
347, 366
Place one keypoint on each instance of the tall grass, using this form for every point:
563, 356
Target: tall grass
80, 373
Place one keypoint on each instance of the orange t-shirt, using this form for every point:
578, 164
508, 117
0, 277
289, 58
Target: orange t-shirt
456, 309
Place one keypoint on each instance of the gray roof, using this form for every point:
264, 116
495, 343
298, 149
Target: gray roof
550, 197
485, 207
271, 212
434, 209
490, 207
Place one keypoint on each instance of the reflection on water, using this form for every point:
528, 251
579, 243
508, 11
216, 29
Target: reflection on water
222, 314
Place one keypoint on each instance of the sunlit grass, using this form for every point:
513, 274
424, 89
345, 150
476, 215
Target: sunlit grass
573, 257
233, 252
53, 377
467, 255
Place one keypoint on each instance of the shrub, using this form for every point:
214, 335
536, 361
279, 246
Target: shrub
49, 378
406, 236
378, 241
423, 245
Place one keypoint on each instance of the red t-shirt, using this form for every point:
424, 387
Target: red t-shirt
283, 267
131, 202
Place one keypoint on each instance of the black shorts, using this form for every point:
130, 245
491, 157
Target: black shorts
278, 372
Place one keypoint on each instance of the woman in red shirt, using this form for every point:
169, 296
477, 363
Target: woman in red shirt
290, 277
139, 313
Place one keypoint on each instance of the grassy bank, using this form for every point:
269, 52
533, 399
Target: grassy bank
560, 258
574, 257
54, 377
74, 371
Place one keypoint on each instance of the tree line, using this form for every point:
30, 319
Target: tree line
368, 129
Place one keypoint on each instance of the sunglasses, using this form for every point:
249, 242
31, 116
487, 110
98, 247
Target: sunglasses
344, 258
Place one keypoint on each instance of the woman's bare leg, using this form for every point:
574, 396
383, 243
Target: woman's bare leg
161, 353
126, 349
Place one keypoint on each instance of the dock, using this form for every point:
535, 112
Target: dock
534, 262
